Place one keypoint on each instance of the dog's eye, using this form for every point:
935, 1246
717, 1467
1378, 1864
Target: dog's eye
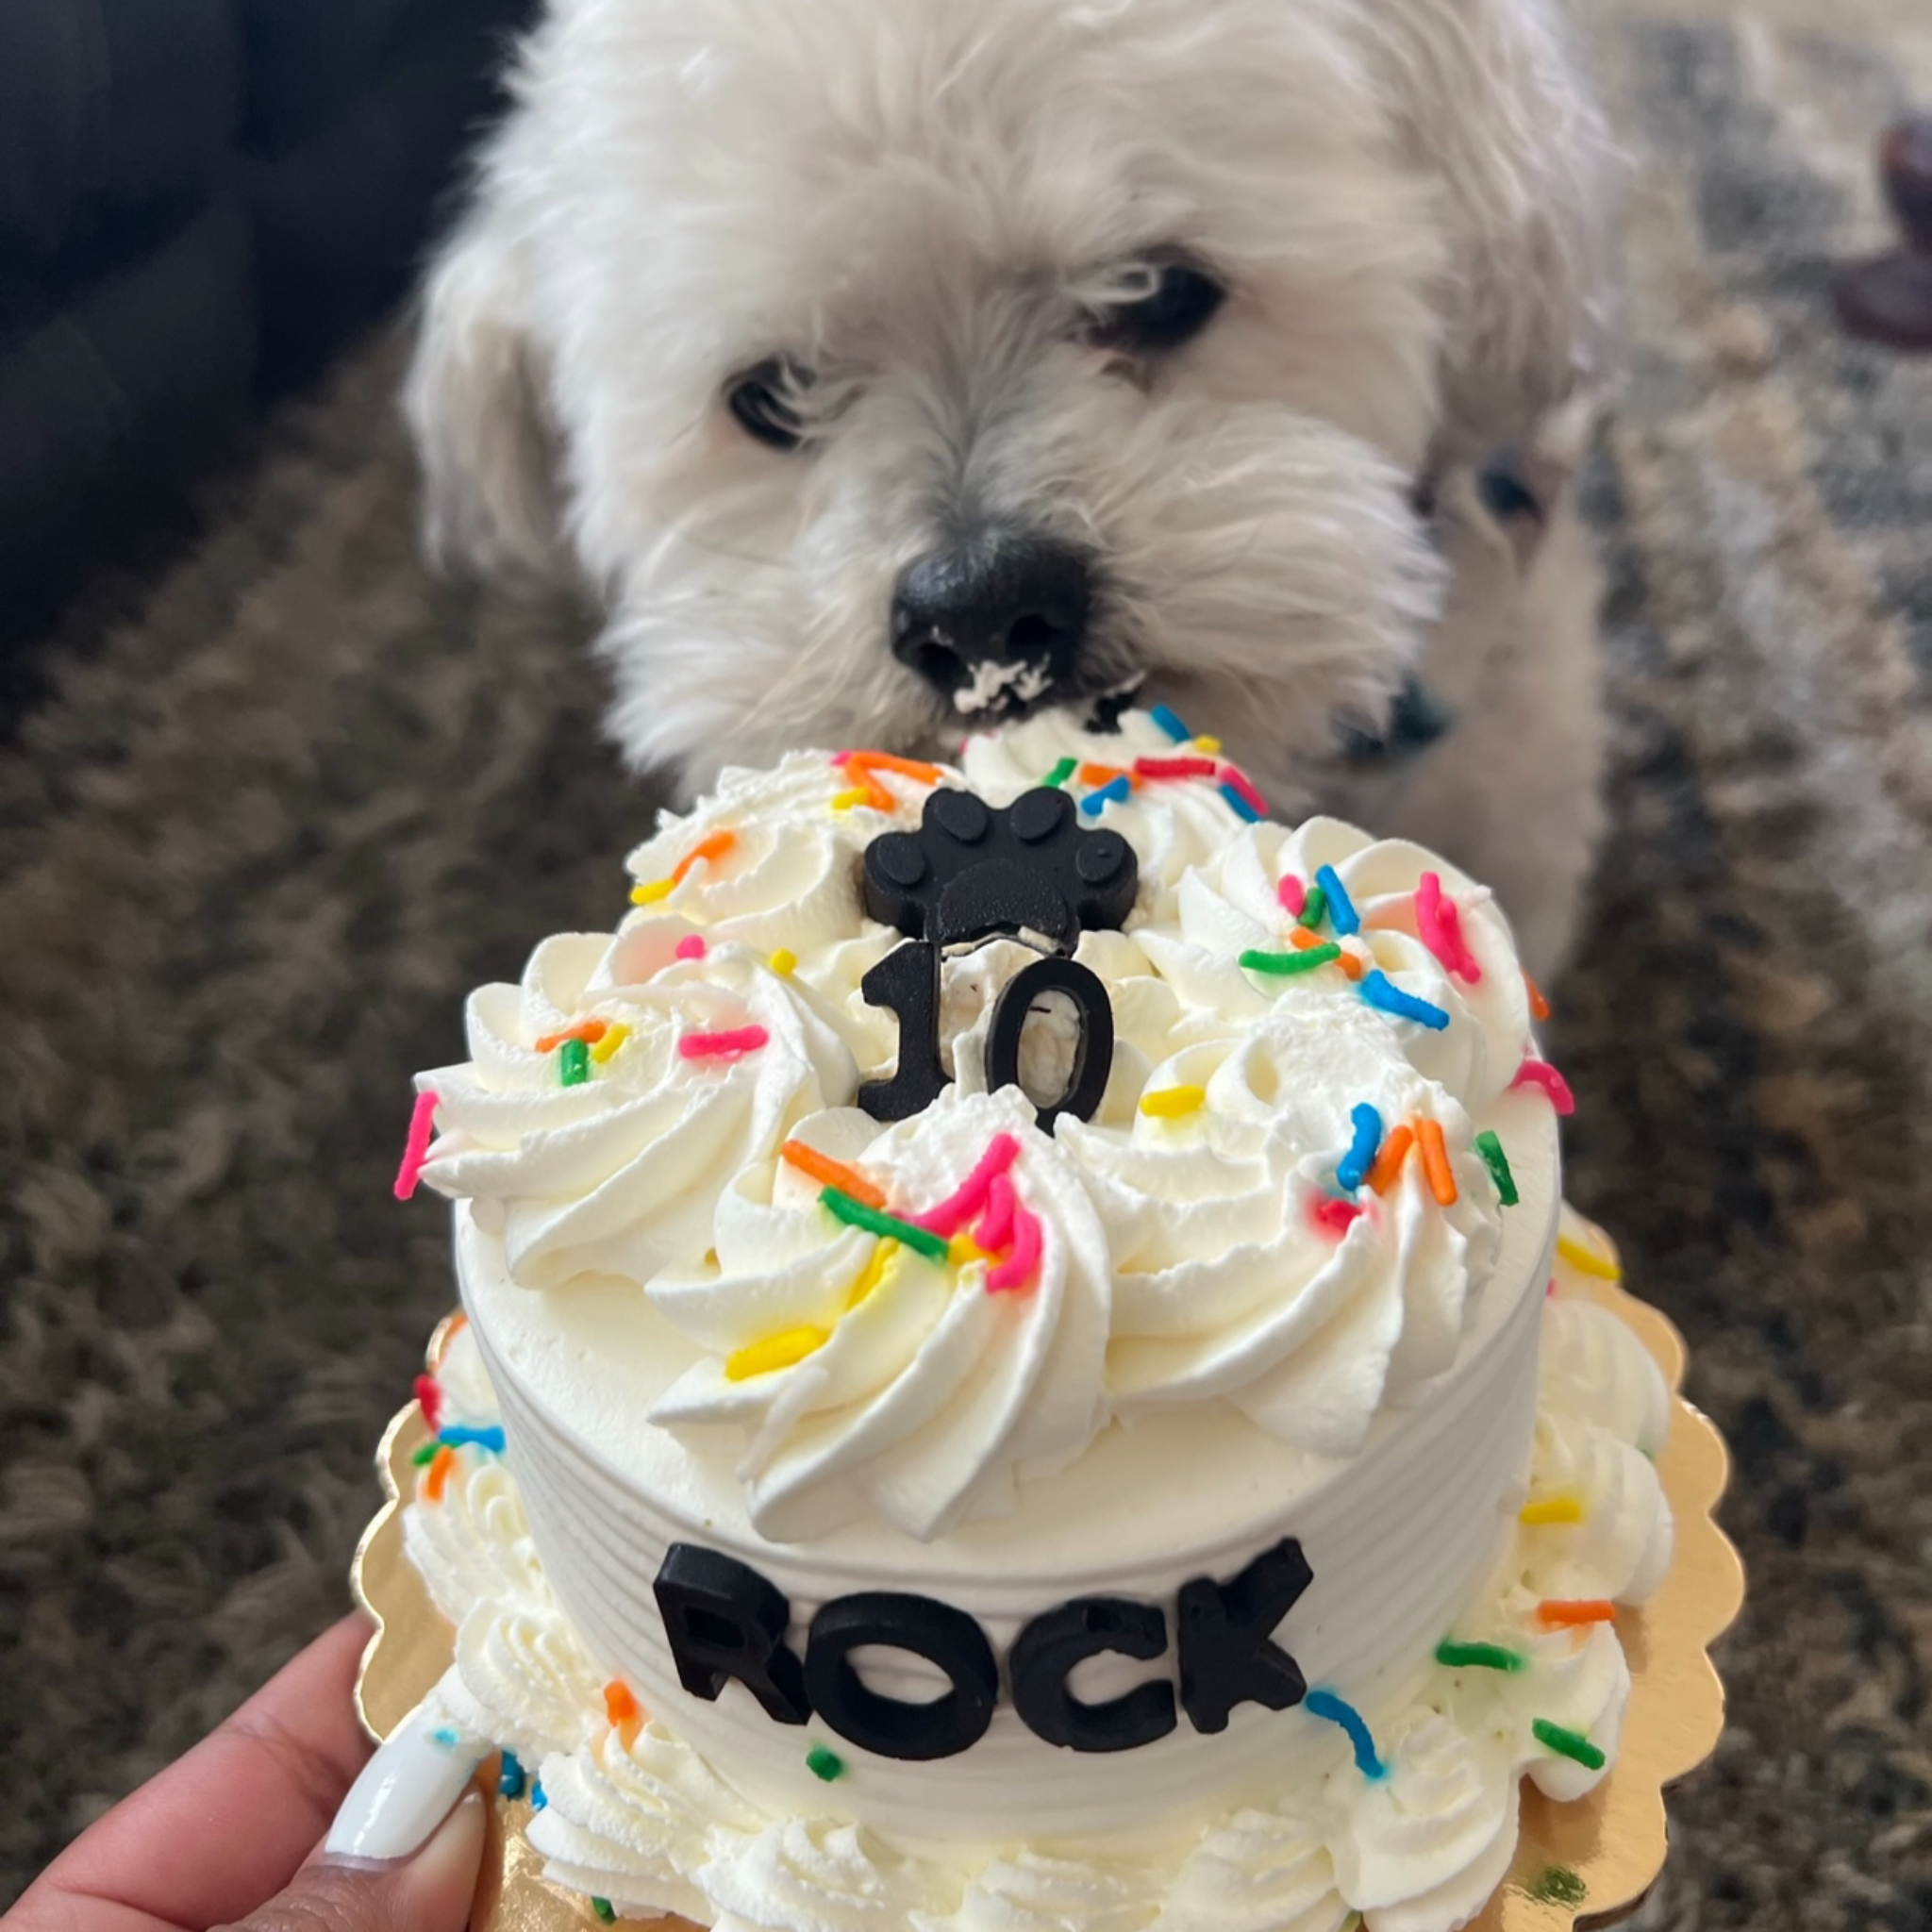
759, 401
1180, 304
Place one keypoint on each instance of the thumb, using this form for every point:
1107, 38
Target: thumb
428, 1890
406, 1847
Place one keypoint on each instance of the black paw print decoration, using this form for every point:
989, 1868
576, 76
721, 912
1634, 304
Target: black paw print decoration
974, 872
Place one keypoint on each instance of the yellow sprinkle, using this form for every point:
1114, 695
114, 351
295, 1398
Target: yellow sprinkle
962, 1248
1211, 745
614, 1037
651, 891
1170, 1103
1560, 1505
1586, 1260
784, 962
872, 1274
777, 1351
847, 800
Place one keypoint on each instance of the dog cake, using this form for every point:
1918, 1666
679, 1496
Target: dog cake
1010, 1373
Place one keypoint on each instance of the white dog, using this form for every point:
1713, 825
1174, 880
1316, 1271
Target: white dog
888, 366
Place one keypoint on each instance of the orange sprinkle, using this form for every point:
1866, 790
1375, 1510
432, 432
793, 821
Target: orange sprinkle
1436, 1161
438, 1479
588, 1031
833, 1174
1300, 938
456, 1324
1577, 1611
863, 763
1106, 774
1387, 1167
1538, 1006
716, 846
625, 1713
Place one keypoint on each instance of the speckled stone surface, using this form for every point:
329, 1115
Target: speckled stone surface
262, 831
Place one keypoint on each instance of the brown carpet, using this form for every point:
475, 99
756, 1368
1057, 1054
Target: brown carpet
267, 827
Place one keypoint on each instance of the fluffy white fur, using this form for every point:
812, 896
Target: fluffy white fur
920, 201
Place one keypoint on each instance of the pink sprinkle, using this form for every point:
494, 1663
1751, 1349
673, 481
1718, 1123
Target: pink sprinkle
1550, 1289
1022, 1263
1337, 1217
1438, 926
692, 946
723, 1046
957, 1209
1292, 895
429, 1400
995, 1229
416, 1146
1540, 1074
1233, 775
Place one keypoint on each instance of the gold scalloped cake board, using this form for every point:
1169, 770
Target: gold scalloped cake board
1585, 1863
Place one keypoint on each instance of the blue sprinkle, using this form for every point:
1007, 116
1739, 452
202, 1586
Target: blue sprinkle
1121, 789
1342, 914
1338, 1710
444, 1736
1380, 990
1171, 724
458, 1434
538, 1796
1352, 1168
510, 1780
1242, 808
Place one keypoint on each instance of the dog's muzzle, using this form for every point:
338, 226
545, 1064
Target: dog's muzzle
995, 621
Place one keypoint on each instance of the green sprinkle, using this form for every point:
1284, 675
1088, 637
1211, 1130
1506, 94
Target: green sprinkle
856, 1214
1572, 1744
1314, 906
602, 1907
1291, 963
1062, 772
1558, 1886
425, 1455
1498, 1165
825, 1764
573, 1062
1479, 1657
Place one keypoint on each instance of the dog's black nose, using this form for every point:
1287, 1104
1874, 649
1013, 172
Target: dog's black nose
995, 621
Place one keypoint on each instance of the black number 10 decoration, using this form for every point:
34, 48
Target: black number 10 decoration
971, 872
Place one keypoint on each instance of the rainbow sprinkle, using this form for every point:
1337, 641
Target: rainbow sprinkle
784, 1350
1490, 1148
783, 961
1541, 1075
1559, 1885
1289, 962
1567, 1743
1243, 807
1170, 724
1314, 908
1560, 1507
825, 1764
429, 1394
1292, 895
1479, 1657
1352, 1168
1586, 1260
706, 851
721, 1046
1334, 1217
1381, 991
416, 1143
1441, 1176
1342, 914
1173, 768
1116, 791
969, 1198
1023, 1262
466, 1436
538, 1796
831, 1173
1057, 777
590, 1031
1235, 780
604, 1048
627, 1715
692, 946
604, 1910
1338, 1710
1382, 1177
441, 1465
573, 1062
1538, 1005
510, 1778
1570, 1613
1438, 926
856, 1214
1171, 1103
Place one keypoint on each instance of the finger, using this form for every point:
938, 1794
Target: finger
225, 1826
429, 1891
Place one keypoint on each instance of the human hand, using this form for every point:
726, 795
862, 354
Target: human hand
233, 1832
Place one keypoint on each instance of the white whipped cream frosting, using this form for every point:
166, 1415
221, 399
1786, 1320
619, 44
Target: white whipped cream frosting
647, 1823
1181, 1257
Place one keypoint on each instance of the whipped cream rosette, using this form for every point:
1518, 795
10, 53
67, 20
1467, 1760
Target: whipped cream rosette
884, 1486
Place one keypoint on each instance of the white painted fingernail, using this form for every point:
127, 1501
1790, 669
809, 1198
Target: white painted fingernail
405, 1791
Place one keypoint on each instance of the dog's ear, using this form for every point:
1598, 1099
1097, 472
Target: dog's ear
476, 401
1492, 104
